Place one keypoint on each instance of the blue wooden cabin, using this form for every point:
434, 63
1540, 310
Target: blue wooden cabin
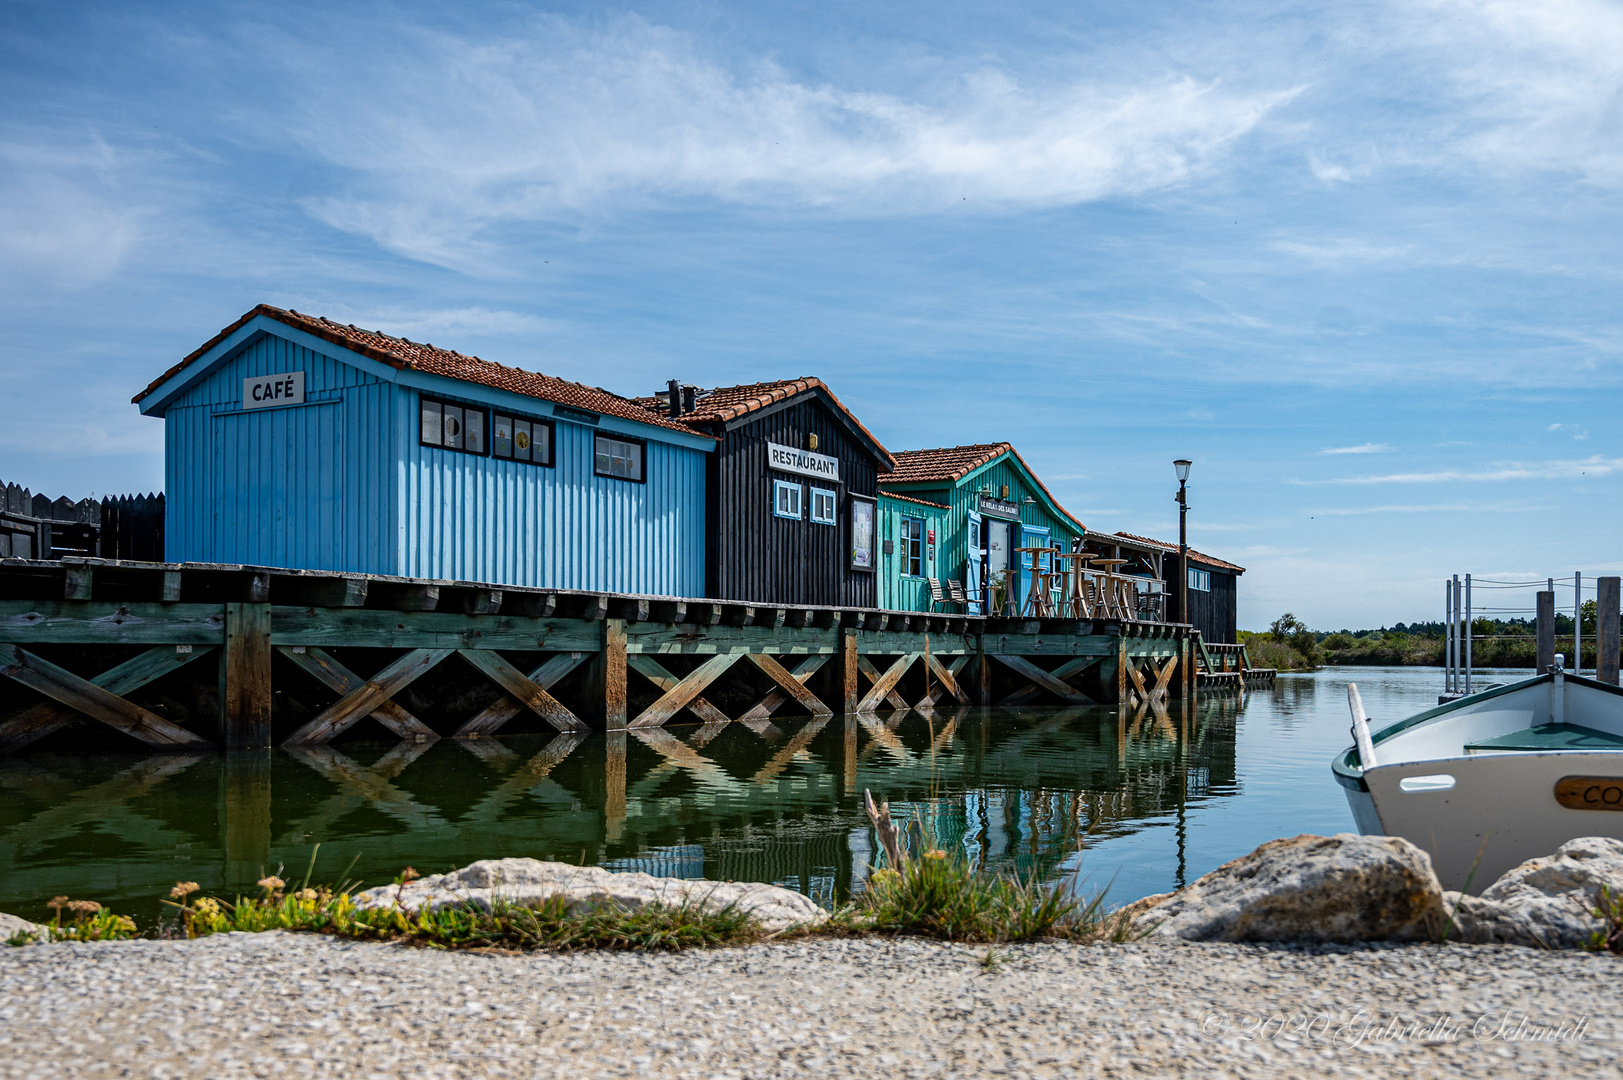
295, 441
982, 502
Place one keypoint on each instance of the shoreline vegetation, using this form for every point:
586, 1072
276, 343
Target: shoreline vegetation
1290, 645
921, 890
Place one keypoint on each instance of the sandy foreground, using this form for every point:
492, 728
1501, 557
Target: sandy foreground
302, 1005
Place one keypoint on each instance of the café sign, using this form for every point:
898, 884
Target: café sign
262, 391
788, 459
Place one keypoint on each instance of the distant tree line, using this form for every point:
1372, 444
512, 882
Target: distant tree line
1290, 645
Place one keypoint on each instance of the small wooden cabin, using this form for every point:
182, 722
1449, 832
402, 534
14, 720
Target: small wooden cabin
295, 441
792, 490
995, 505
1213, 583
911, 531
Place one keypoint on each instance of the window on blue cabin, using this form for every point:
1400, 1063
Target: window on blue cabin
618, 457
786, 499
823, 502
912, 547
520, 438
450, 426
1200, 580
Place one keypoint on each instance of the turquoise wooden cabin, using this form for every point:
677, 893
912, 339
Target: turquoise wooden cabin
294, 441
989, 504
910, 535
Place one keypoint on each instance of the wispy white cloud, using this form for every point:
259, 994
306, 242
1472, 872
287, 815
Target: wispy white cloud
452, 136
1362, 448
1431, 508
1595, 466
65, 213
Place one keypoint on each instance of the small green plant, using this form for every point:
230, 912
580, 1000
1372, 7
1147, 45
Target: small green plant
91, 922
1609, 909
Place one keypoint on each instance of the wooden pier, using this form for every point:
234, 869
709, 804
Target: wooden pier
297, 658
1228, 668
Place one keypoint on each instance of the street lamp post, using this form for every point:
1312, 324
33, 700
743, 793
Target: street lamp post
1181, 467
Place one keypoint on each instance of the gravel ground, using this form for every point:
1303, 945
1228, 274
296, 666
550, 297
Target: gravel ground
301, 1005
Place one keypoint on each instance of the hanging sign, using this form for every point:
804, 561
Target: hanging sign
261, 391
788, 459
999, 507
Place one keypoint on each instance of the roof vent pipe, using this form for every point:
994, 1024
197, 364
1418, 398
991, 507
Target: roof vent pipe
690, 398
674, 397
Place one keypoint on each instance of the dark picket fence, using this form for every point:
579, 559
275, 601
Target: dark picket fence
115, 527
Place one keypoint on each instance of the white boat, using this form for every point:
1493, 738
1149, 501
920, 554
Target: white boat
1488, 781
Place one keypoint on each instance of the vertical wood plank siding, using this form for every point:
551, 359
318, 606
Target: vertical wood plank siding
483, 519
1215, 613
341, 483
896, 592
952, 551
301, 486
757, 556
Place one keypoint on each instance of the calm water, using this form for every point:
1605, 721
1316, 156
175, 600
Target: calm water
1143, 802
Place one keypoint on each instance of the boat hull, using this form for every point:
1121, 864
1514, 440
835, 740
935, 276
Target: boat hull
1500, 812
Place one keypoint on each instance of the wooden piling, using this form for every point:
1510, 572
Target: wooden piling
1606, 628
245, 677
1546, 631
851, 672
607, 680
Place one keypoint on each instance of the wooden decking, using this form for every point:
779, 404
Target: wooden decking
567, 657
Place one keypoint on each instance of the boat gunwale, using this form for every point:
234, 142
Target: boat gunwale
1350, 775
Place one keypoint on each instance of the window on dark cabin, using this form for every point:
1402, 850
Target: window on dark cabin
619, 458
823, 503
786, 499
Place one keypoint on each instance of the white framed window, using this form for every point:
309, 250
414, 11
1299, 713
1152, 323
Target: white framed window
912, 547
823, 502
786, 499
1200, 580
618, 457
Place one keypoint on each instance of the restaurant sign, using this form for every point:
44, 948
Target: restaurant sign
788, 459
1001, 508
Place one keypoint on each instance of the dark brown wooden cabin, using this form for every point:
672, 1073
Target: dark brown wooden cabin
1213, 583
792, 492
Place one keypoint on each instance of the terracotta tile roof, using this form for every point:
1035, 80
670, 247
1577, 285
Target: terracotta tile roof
402, 353
727, 403
951, 464
911, 499
1196, 556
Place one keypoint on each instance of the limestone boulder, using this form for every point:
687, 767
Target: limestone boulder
11, 926
528, 882
1340, 888
1544, 903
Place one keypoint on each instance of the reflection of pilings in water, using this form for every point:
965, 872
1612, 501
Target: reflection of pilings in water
245, 814
850, 748
95, 803
614, 786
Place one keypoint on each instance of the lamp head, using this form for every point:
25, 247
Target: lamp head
1181, 466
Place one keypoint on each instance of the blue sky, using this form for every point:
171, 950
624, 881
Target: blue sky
1358, 260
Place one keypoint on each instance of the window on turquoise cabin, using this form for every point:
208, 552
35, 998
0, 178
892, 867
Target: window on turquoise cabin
519, 438
618, 457
822, 506
786, 499
1200, 580
452, 427
912, 547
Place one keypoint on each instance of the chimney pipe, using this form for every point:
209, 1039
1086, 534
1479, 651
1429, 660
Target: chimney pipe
675, 396
690, 398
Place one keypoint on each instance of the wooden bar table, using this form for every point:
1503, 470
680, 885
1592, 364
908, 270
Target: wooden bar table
1113, 601
1037, 597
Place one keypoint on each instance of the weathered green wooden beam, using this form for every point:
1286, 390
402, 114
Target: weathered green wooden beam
789, 683
493, 716
365, 699
655, 672
365, 628
74, 622
677, 698
775, 698
1037, 675
329, 672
